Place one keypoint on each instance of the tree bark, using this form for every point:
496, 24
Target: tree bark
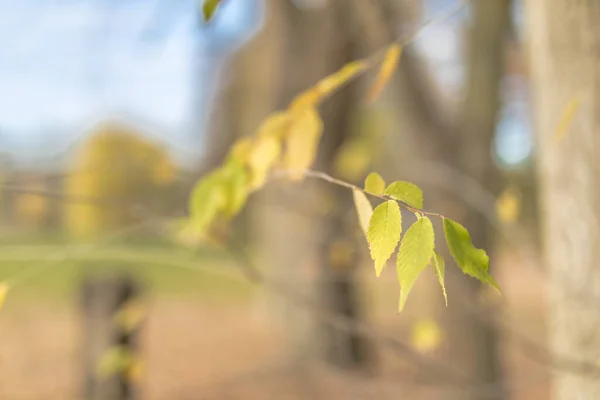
564, 49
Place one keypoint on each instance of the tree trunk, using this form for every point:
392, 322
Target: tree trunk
564, 40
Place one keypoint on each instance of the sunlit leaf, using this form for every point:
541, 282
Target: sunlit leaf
235, 188
240, 150
334, 81
471, 260
439, 266
302, 142
274, 126
3, 292
265, 154
426, 336
364, 210
406, 192
207, 199
567, 117
383, 235
416, 249
388, 66
374, 183
209, 7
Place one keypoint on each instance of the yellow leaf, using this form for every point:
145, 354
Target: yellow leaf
264, 155
3, 292
275, 125
353, 160
375, 184
305, 100
334, 81
508, 205
567, 117
426, 336
302, 142
131, 315
240, 150
388, 66
364, 209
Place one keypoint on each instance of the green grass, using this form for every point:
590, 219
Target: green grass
55, 270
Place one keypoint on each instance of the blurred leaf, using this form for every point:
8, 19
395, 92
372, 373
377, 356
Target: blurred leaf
208, 198
439, 265
426, 336
353, 159
235, 188
383, 235
471, 260
302, 142
274, 126
508, 205
131, 315
374, 184
307, 99
135, 371
240, 150
406, 192
388, 66
209, 7
567, 117
416, 250
114, 361
3, 292
264, 155
364, 209
334, 81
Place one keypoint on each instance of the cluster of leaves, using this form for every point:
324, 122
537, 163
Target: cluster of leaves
287, 139
382, 227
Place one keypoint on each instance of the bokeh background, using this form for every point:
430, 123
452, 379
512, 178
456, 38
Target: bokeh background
110, 111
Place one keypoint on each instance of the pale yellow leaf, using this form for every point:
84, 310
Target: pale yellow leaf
334, 81
302, 142
567, 117
388, 66
426, 336
364, 210
275, 125
264, 155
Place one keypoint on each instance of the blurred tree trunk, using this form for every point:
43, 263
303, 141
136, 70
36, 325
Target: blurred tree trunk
461, 143
564, 40
306, 236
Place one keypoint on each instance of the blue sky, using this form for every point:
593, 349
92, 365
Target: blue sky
64, 63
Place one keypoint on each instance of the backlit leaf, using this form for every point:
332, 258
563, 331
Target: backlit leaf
235, 188
374, 183
364, 209
274, 126
3, 292
471, 260
426, 336
406, 192
388, 66
333, 82
416, 249
302, 142
264, 155
209, 7
383, 235
508, 205
207, 199
439, 266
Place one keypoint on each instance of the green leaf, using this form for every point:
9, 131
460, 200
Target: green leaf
374, 183
385, 228
208, 198
415, 252
406, 192
471, 260
209, 7
364, 209
235, 188
439, 265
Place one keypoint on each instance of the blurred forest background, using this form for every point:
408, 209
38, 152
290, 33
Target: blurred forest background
111, 111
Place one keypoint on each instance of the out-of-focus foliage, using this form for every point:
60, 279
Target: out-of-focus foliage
3, 292
426, 336
209, 7
116, 177
388, 66
508, 205
567, 117
374, 183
